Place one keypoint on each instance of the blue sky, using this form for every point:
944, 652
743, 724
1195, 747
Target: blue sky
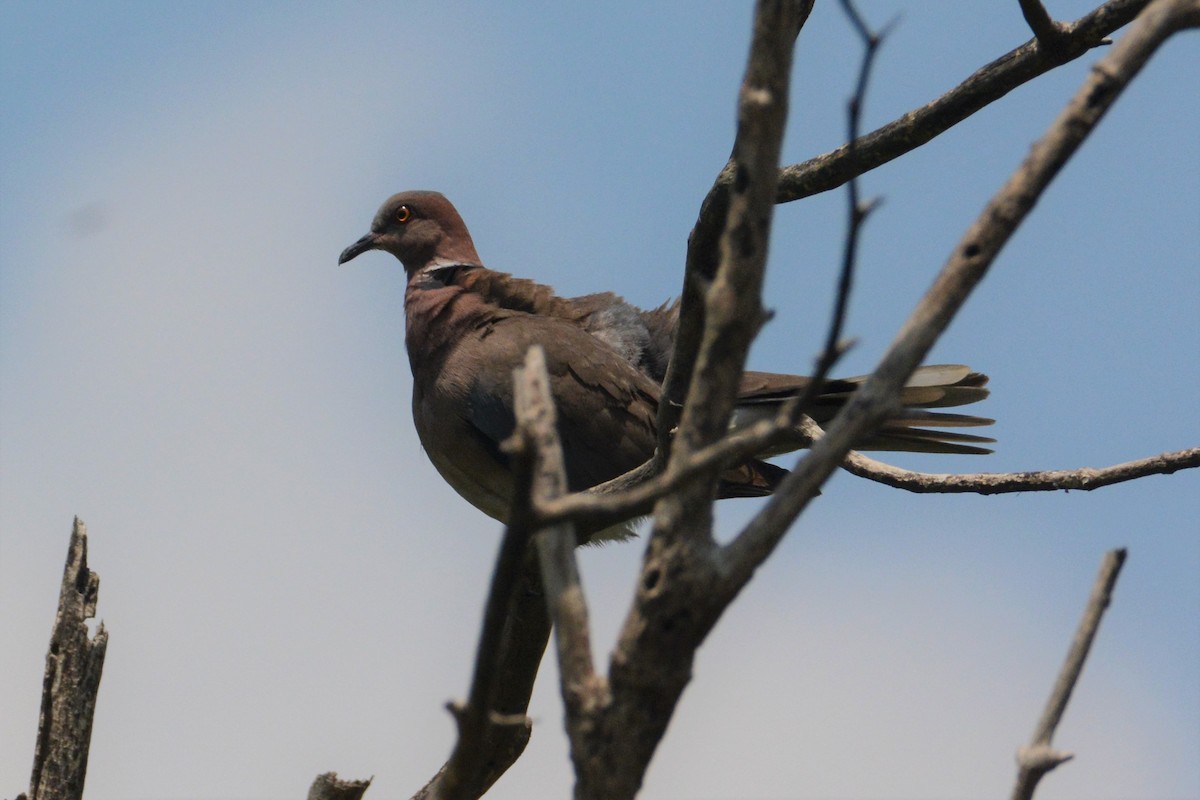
289, 586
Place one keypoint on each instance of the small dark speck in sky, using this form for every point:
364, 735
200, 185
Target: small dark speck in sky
88, 220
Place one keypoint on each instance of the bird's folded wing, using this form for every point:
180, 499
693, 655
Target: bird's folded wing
605, 407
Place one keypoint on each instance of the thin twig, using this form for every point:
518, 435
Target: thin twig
1039, 757
610, 504
857, 214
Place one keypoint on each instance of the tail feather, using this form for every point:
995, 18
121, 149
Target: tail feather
933, 386
937, 375
948, 396
911, 429
919, 416
918, 440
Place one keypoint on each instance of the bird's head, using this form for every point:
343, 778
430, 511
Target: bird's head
422, 229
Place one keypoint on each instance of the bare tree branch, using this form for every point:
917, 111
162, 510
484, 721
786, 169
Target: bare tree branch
1039, 757
73, 667
638, 490
597, 510
1084, 478
506, 730
732, 303
857, 212
835, 168
988, 84
966, 267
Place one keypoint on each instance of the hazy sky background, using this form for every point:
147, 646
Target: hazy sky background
289, 586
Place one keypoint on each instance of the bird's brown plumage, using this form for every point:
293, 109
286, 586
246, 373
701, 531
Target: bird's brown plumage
468, 327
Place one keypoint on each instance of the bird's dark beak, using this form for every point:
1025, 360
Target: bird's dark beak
368, 242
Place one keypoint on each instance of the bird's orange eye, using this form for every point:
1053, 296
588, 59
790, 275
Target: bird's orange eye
404, 214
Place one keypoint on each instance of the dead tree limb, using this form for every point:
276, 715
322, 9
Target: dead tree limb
639, 489
1082, 479
535, 414
708, 236
73, 667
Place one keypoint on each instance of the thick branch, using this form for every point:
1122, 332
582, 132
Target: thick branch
501, 738
72, 680
1039, 757
732, 272
582, 689
705, 242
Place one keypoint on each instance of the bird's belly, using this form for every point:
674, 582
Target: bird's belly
460, 456
489, 491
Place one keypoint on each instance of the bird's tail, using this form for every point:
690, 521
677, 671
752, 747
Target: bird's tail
910, 430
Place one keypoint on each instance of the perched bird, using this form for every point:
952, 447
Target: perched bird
468, 327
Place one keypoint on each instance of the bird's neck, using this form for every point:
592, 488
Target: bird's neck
495, 288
